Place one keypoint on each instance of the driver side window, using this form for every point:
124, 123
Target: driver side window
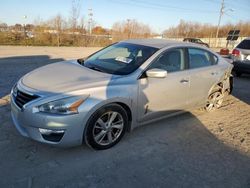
172, 60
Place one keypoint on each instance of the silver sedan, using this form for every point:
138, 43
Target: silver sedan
97, 99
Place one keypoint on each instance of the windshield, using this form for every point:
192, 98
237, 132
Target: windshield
120, 58
245, 44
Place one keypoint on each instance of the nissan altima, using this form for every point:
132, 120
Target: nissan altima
96, 100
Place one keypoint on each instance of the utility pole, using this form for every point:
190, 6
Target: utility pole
24, 29
221, 14
90, 20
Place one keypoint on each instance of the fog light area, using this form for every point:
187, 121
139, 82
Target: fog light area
51, 135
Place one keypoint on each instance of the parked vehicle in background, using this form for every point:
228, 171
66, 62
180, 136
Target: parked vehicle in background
98, 99
241, 57
196, 41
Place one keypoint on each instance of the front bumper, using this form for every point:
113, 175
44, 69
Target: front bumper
28, 123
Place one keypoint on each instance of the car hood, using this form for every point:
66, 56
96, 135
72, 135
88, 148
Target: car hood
65, 76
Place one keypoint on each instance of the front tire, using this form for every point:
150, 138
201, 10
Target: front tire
106, 127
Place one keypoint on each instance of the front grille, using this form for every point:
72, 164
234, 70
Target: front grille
22, 98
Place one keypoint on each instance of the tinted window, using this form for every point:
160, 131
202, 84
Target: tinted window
245, 44
213, 59
171, 60
121, 58
201, 58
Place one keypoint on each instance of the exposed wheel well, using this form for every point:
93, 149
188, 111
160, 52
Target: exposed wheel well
217, 87
222, 86
129, 113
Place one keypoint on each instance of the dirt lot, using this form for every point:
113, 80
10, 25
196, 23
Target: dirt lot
196, 149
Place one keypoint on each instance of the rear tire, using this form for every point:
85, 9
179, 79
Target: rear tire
231, 83
106, 127
214, 101
238, 74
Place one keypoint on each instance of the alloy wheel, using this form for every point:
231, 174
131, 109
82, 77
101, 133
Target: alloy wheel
108, 128
214, 101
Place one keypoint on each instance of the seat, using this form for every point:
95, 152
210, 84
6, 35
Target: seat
171, 61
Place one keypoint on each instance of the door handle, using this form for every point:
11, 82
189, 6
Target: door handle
184, 81
214, 73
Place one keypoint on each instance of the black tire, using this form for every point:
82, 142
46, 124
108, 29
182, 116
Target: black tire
238, 74
90, 128
231, 81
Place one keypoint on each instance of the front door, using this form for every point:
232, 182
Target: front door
162, 96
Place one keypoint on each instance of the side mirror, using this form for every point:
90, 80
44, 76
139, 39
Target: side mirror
81, 61
156, 73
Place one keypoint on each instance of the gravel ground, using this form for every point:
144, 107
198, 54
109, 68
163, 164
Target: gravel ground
195, 149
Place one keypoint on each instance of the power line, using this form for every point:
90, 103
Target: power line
242, 8
235, 18
169, 6
213, 1
157, 6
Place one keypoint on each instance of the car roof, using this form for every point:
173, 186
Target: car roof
156, 43
190, 38
248, 38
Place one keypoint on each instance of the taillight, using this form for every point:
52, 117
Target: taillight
236, 52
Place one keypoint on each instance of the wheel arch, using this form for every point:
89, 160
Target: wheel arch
222, 84
99, 106
124, 103
129, 113
216, 87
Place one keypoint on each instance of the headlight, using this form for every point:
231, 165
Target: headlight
63, 106
14, 90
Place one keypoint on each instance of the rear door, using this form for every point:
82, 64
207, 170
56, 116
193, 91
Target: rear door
204, 73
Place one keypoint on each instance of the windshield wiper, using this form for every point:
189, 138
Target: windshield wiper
95, 68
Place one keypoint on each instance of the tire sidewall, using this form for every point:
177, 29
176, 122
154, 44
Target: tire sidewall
88, 133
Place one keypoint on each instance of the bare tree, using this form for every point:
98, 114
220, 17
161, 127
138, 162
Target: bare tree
194, 29
57, 24
130, 29
82, 26
75, 13
3, 27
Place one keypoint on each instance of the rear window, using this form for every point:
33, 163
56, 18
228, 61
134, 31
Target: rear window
245, 44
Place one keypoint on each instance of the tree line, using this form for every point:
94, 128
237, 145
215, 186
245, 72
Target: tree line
74, 30
194, 29
58, 32
78, 31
